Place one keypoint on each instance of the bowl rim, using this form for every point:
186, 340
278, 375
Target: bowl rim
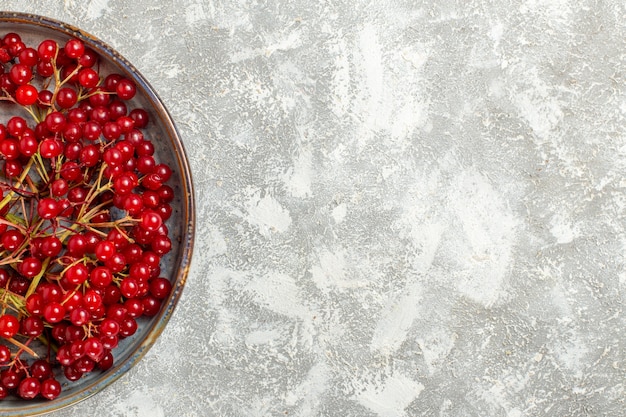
182, 263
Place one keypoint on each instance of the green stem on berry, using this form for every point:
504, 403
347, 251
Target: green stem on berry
7, 198
35, 282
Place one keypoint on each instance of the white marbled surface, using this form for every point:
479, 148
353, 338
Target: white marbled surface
405, 208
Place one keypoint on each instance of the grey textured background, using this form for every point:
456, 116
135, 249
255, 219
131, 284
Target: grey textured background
405, 208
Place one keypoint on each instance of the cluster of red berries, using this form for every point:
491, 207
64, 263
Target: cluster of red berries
83, 203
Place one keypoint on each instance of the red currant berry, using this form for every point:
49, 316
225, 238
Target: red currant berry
88, 59
90, 155
55, 121
77, 274
59, 187
151, 306
109, 327
45, 69
20, 74
72, 373
11, 39
51, 246
48, 208
150, 220
50, 389
10, 378
80, 316
47, 50
9, 326
41, 369
12, 239
116, 263
5, 354
72, 151
34, 304
129, 287
28, 56
16, 125
29, 388
161, 245
26, 95
104, 250
30, 267
74, 48
50, 293
125, 89
140, 117
10, 148
28, 145
54, 312
106, 362
133, 307
50, 148
92, 300
93, 349
160, 288
66, 97
70, 171
128, 327
110, 82
117, 109
32, 326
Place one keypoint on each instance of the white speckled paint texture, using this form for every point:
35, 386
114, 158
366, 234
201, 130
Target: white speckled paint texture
405, 208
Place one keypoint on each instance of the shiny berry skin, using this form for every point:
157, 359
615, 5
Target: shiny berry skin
151, 306
66, 97
11, 239
28, 57
88, 59
94, 349
44, 68
9, 326
106, 362
104, 250
160, 288
129, 287
54, 312
77, 274
48, 208
26, 95
74, 48
150, 221
109, 327
47, 50
5, 354
140, 117
10, 378
32, 326
55, 121
20, 74
50, 148
10, 148
29, 388
30, 267
88, 78
125, 89
128, 327
34, 304
50, 389
41, 369
28, 145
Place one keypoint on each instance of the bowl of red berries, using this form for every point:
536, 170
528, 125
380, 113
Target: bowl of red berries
96, 215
